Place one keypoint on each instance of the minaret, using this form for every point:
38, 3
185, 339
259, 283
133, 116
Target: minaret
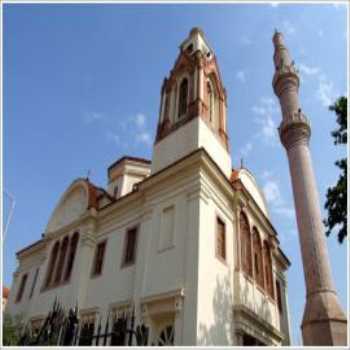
324, 322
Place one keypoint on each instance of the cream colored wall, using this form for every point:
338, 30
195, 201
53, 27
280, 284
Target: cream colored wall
125, 175
154, 272
175, 146
73, 205
257, 301
215, 284
250, 183
185, 140
209, 141
190, 264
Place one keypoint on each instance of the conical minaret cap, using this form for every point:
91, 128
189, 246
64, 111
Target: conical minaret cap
278, 38
196, 30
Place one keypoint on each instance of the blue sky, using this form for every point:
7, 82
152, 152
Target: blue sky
79, 80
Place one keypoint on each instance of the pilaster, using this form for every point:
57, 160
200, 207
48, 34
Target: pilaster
84, 261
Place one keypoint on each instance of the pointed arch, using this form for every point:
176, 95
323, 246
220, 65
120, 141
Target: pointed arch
52, 263
61, 260
183, 97
268, 269
258, 258
71, 257
246, 252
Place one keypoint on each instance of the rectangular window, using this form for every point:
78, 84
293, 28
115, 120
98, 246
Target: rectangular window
99, 258
166, 239
220, 239
21, 288
130, 246
34, 283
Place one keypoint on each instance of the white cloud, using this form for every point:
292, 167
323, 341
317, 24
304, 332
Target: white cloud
268, 127
144, 137
326, 92
266, 109
284, 211
288, 27
113, 137
134, 125
91, 117
303, 68
246, 149
272, 192
140, 120
266, 174
241, 76
275, 199
274, 4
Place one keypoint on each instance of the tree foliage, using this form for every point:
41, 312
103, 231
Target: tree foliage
11, 329
336, 202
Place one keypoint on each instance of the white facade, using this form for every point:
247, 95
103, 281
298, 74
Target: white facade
177, 278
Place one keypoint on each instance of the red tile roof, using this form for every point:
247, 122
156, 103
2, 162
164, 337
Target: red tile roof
5, 292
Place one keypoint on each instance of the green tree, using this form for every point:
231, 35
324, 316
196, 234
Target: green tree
11, 329
336, 202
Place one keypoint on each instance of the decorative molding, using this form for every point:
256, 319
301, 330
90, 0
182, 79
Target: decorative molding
249, 322
295, 130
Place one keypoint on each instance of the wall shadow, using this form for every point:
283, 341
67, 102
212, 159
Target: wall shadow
220, 332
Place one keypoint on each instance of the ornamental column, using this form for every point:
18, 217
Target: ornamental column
324, 322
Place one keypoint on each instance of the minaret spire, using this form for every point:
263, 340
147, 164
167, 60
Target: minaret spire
324, 322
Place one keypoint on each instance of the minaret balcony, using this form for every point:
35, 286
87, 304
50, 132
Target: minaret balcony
283, 75
295, 127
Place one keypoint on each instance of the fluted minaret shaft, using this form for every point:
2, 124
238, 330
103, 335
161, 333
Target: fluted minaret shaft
324, 322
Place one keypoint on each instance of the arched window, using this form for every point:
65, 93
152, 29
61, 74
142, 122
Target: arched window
183, 97
268, 270
210, 94
258, 260
61, 259
52, 263
71, 256
246, 253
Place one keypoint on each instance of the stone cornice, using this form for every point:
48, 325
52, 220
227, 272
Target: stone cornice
33, 248
243, 315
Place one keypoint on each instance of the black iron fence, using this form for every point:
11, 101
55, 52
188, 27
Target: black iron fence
67, 329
